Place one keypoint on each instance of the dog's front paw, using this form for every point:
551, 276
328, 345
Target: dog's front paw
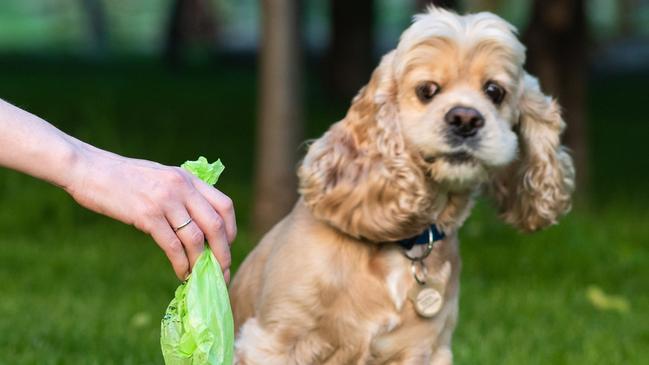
443, 356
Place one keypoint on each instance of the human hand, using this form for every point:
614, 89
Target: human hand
157, 199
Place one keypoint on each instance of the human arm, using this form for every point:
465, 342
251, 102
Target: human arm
152, 197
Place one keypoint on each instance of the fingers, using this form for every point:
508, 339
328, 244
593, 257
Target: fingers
213, 227
172, 247
190, 234
221, 251
178, 198
221, 203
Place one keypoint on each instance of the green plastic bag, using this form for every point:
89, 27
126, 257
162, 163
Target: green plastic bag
197, 328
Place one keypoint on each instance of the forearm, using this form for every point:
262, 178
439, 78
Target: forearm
152, 197
35, 147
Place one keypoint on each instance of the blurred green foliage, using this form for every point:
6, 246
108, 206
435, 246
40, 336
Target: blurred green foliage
139, 27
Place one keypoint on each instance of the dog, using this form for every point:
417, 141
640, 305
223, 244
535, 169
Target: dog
365, 269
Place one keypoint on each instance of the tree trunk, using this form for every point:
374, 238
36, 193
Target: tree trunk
558, 55
350, 60
279, 127
191, 22
625, 9
446, 4
97, 25
484, 5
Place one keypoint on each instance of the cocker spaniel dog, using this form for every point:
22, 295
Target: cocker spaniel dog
365, 268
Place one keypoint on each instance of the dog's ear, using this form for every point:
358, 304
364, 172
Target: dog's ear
359, 176
536, 189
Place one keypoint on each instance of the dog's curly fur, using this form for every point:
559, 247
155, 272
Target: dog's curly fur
327, 284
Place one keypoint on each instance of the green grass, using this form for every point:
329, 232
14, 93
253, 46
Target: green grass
524, 297
78, 288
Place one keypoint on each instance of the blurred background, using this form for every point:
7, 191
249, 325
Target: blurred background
247, 81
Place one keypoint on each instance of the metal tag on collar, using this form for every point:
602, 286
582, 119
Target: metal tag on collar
427, 295
429, 247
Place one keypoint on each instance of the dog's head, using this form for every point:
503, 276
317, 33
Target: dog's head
448, 110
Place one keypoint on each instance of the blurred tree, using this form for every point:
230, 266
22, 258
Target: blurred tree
494, 6
486, 5
446, 4
349, 60
625, 16
98, 30
557, 53
279, 127
191, 22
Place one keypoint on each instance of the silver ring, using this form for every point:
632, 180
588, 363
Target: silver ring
424, 270
429, 248
183, 225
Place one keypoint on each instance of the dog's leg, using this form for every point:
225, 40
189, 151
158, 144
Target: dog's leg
411, 356
443, 356
349, 355
257, 345
442, 351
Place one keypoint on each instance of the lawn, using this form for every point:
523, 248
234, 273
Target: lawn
78, 288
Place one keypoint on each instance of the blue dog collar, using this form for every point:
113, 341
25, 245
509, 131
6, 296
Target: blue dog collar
430, 235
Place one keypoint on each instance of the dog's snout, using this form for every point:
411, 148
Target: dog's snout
463, 121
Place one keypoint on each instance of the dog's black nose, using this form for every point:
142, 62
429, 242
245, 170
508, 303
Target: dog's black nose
464, 121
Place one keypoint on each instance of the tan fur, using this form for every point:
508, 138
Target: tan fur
361, 178
534, 191
327, 285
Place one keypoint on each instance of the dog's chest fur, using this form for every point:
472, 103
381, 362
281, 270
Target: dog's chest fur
402, 333
312, 293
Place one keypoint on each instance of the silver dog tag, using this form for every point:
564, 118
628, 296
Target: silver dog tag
427, 298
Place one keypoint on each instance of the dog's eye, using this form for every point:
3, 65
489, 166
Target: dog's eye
495, 92
426, 91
